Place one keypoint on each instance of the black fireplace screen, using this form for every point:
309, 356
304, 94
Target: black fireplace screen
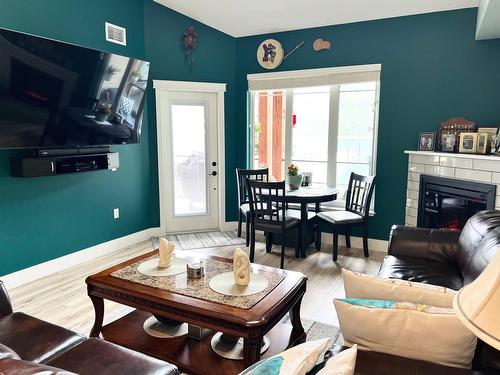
447, 203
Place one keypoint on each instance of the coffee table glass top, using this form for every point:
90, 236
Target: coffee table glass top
199, 288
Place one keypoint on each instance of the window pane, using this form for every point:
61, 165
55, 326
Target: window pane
356, 123
311, 107
344, 173
190, 172
268, 132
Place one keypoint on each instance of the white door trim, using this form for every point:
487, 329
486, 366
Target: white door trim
161, 87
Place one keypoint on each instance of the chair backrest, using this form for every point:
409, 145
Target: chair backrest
267, 203
252, 174
359, 194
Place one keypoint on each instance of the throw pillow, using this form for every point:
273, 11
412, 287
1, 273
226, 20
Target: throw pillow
357, 285
295, 361
343, 363
406, 329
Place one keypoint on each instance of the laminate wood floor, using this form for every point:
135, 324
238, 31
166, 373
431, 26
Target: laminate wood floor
62, 298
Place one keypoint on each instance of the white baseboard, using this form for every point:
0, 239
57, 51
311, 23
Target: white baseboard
229, 225
357, 242
38, 271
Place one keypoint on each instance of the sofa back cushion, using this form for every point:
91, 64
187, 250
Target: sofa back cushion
16, 366
480, 227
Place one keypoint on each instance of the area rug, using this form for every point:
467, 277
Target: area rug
200, 240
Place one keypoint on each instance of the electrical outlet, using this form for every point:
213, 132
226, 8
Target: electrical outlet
116, 213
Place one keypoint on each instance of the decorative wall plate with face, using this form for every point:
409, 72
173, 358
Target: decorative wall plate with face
270, 54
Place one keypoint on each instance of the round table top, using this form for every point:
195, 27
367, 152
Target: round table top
316, 193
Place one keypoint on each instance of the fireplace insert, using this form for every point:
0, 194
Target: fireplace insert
449, 203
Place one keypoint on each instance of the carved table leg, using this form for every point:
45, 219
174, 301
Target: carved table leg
251, 351
99, 315
298, 335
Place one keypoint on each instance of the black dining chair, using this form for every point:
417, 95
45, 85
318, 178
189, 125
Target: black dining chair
243, 202
268, 214
357, 211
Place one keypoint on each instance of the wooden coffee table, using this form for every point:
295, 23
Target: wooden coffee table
197, 357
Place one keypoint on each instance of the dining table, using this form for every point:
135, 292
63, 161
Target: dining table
305, 197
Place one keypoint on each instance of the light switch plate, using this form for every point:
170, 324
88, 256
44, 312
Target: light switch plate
116, 213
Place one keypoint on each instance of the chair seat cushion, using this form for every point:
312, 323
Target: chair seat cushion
34, 339
422, 271
96, 356
340, 217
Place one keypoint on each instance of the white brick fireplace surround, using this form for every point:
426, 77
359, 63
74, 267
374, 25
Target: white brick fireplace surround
469, 167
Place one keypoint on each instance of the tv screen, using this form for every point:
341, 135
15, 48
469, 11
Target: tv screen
59, 95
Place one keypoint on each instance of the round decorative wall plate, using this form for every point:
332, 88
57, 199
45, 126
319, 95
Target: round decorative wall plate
270, 54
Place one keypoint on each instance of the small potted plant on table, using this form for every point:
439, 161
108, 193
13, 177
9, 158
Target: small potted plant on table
294, 178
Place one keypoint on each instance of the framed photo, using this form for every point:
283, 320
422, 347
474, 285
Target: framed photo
482, 142
468, 143
426, 141
448, 143
492, 135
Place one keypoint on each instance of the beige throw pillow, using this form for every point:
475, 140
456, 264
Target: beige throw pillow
295, 361
427, 333
358, 285
343, 363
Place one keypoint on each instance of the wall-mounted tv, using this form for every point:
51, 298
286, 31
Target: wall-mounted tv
59, 95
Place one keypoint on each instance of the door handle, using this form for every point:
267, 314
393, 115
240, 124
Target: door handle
214, 173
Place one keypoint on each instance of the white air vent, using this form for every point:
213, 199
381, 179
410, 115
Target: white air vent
116, 34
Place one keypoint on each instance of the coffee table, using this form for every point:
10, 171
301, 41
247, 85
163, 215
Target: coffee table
197, 357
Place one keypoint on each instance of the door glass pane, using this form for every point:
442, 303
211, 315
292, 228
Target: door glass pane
189, 157
311, 113
268, 132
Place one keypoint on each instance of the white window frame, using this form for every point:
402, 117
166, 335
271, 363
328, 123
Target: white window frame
332, 77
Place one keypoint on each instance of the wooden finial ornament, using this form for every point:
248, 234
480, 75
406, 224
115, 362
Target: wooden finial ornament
320, 44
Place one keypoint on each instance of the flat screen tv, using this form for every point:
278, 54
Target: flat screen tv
59, 95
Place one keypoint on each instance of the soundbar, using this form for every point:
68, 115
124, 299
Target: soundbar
73, 151
63, 164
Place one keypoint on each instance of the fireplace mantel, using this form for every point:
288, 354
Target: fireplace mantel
468, 167
454, 155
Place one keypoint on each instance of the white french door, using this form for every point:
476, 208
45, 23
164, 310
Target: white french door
190, 164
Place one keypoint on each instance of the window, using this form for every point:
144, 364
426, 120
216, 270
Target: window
328, 130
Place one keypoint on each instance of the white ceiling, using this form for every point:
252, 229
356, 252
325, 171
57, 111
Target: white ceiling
244, 17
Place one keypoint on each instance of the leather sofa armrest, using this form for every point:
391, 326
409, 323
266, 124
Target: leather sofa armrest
19, 367
5, 305
7, 353
433, 244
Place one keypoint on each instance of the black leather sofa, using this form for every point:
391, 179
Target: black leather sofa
440, 257
448, 258
30, 346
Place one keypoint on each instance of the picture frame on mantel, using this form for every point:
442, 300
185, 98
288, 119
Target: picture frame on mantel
468, 143
449, 143
426, 141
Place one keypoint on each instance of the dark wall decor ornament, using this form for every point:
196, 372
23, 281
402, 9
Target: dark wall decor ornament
190, 38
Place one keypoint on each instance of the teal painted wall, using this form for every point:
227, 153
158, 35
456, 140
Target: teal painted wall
214, 61
44, 218
432, 69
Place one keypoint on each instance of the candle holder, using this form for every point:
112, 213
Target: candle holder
195, 270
